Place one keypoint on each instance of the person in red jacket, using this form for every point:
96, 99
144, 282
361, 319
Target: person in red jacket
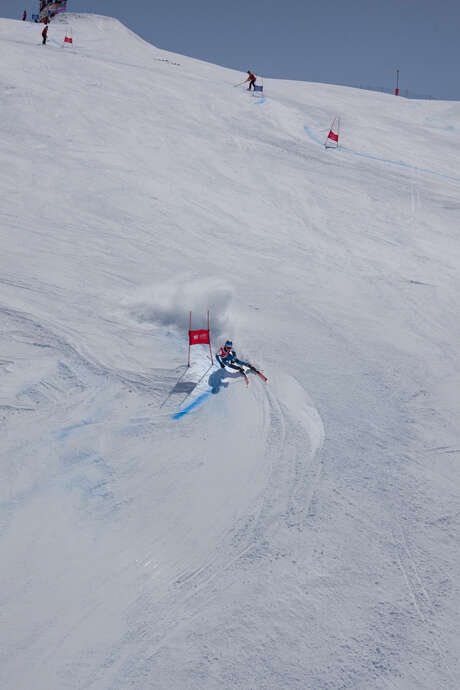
24, 16
45, 34
251, 79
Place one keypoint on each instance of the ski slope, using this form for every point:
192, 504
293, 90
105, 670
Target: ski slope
300, 534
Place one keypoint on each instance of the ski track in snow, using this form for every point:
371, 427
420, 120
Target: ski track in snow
283, 498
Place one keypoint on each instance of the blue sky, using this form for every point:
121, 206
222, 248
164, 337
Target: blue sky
359, 42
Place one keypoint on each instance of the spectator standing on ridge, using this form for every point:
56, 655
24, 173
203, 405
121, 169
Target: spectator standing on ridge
251, 79
24, 16
45, 34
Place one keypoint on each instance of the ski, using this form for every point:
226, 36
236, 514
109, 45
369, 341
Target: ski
256, 371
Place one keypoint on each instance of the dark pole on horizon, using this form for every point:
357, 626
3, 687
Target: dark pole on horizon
397, 83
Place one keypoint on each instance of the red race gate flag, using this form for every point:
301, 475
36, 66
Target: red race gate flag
333, 136
199, 337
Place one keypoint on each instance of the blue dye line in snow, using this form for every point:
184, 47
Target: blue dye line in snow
312, 136
201, 398
384, 160
261, 100
67, 430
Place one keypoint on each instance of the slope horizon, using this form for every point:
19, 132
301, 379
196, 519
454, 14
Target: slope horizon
356, 44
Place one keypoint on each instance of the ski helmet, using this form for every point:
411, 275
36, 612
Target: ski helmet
229, 344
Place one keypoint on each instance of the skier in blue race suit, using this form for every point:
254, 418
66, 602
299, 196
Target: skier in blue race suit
227, 358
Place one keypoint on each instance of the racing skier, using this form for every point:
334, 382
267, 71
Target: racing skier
251, 79
227, 358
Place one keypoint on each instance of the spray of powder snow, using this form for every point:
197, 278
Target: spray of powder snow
170, 303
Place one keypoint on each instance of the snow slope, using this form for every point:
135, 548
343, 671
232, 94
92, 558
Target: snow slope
300, 534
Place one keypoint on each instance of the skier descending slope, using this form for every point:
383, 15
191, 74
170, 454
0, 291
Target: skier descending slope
252, 80
227, 358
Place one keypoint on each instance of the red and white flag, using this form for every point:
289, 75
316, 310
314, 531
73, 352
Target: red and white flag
199, 336
332, 139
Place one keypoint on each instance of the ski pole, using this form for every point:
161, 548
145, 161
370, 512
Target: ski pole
241, 84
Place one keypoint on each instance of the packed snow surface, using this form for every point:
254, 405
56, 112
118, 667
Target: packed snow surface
299, 534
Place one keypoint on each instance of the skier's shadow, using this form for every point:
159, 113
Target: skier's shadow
217, 379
